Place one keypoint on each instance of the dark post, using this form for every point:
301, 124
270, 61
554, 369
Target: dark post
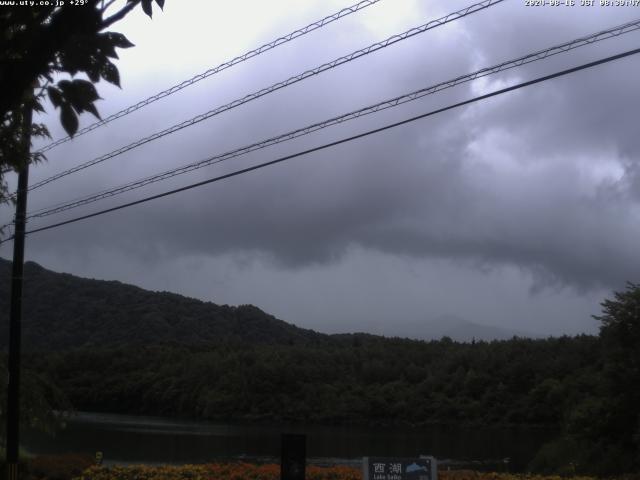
15, 319
293, 457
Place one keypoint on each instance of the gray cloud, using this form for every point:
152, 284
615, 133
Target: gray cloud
544, 181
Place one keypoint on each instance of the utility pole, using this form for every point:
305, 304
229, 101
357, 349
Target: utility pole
15, 319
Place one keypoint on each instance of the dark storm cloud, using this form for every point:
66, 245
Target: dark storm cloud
545, 179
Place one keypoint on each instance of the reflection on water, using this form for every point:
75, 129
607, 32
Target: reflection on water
138, 439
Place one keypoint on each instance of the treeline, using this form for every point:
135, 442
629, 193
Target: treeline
354, 379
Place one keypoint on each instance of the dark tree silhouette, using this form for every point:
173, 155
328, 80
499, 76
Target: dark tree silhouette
37, 46
620, 334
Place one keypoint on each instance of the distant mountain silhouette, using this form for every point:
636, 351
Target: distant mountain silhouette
62, 311
457, 329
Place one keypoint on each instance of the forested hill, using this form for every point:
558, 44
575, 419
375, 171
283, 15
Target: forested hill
62, 311
106, 346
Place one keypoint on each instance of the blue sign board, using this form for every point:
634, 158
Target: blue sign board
389, 468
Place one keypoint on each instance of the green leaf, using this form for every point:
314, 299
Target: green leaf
81, 94
76, 93
119, 40
76, 54
146, 6
110, 73
40, 130
85, 91
55, 96
37, 106
64, 85
93, 71
107, 46
91, 108
69, 119
37, 157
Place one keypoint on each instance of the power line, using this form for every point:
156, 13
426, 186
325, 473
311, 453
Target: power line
390, 103
212, 71
277, 86
338, 142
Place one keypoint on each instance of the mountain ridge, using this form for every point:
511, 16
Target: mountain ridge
458, 329
65, 311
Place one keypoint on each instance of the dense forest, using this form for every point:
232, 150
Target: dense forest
105, 346
354, 379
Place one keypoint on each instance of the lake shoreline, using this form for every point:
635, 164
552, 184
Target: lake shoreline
132, 439
267, 421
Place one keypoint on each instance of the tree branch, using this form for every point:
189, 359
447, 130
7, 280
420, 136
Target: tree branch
105, 7
119, 15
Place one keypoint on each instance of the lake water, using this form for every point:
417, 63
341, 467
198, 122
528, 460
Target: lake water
137, 439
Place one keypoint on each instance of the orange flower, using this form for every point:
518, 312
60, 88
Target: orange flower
249, 471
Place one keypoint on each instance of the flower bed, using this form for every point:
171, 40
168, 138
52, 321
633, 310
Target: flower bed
217, 471
248, 471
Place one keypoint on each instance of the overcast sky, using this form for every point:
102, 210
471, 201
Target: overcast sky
521, 211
